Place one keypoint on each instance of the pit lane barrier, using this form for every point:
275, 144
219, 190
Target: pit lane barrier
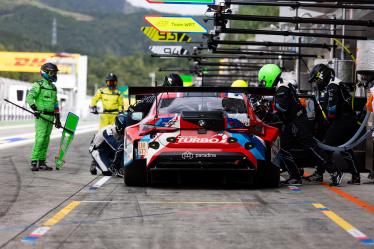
9, 112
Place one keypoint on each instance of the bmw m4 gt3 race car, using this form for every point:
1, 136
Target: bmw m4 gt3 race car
201, 131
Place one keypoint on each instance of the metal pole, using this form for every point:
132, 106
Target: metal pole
245, 52
333, 33
301, 5
33, 113
342, 54
289, 33
296, 20
298, 51
273, 44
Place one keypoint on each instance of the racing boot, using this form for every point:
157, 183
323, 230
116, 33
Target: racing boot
336, 178
356, 180
315, 177
93, 169
292, 182
34, 166
107, 173
301, 171
371, 175
113, 170
120, 172
44, 166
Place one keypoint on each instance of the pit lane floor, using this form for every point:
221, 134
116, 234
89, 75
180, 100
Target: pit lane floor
72, 209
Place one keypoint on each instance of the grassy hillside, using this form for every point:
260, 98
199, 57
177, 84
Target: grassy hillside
254, 10
93, 6
84, 27
132, 70
87, 34
108, 31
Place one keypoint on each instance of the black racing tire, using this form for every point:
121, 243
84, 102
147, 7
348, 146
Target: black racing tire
267, 176
135, 174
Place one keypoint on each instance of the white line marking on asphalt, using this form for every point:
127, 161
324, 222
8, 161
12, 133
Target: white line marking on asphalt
178, 202
100, 182
16, 126
29, 138
40, 231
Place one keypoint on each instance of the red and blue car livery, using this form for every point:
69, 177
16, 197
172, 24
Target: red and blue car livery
201, 131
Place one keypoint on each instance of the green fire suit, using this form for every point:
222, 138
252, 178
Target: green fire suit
43, 94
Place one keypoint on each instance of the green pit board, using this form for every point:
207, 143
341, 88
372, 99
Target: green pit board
66, 138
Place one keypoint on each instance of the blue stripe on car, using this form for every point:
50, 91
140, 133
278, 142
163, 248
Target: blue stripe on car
258, 151
163, 121
234, 123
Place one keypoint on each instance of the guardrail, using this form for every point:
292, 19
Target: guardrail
9, 112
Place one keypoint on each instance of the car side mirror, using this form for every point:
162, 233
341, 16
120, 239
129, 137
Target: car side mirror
137, 116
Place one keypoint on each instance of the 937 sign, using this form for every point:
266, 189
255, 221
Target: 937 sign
158, 36
167, 36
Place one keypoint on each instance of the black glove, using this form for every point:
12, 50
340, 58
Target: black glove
94, 110
58, 122
35, 109
131, 108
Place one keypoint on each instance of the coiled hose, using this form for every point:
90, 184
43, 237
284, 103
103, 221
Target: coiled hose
351, 143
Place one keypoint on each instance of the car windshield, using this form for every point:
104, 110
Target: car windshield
228, 102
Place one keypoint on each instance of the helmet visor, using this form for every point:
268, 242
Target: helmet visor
52, 73
111, 83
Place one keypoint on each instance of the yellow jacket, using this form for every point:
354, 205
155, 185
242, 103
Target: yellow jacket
111, 99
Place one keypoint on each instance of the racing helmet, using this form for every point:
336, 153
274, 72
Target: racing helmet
239, 83
111, 80
321, 74
173, 80
120, 123
269, 75
49, 72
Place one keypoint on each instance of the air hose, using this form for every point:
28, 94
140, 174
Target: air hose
351, 143
362, 126
347, 147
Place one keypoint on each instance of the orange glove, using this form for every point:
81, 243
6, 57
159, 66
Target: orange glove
370, 102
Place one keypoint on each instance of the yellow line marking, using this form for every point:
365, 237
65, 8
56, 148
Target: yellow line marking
334, 217
60, 215
317, 205
338, 220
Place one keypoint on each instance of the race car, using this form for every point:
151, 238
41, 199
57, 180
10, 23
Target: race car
201, 132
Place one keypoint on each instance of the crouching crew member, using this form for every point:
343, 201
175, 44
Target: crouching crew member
106, 148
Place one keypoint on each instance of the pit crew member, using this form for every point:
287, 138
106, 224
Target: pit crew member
342, 122
295, 125
111, 100
106, 148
